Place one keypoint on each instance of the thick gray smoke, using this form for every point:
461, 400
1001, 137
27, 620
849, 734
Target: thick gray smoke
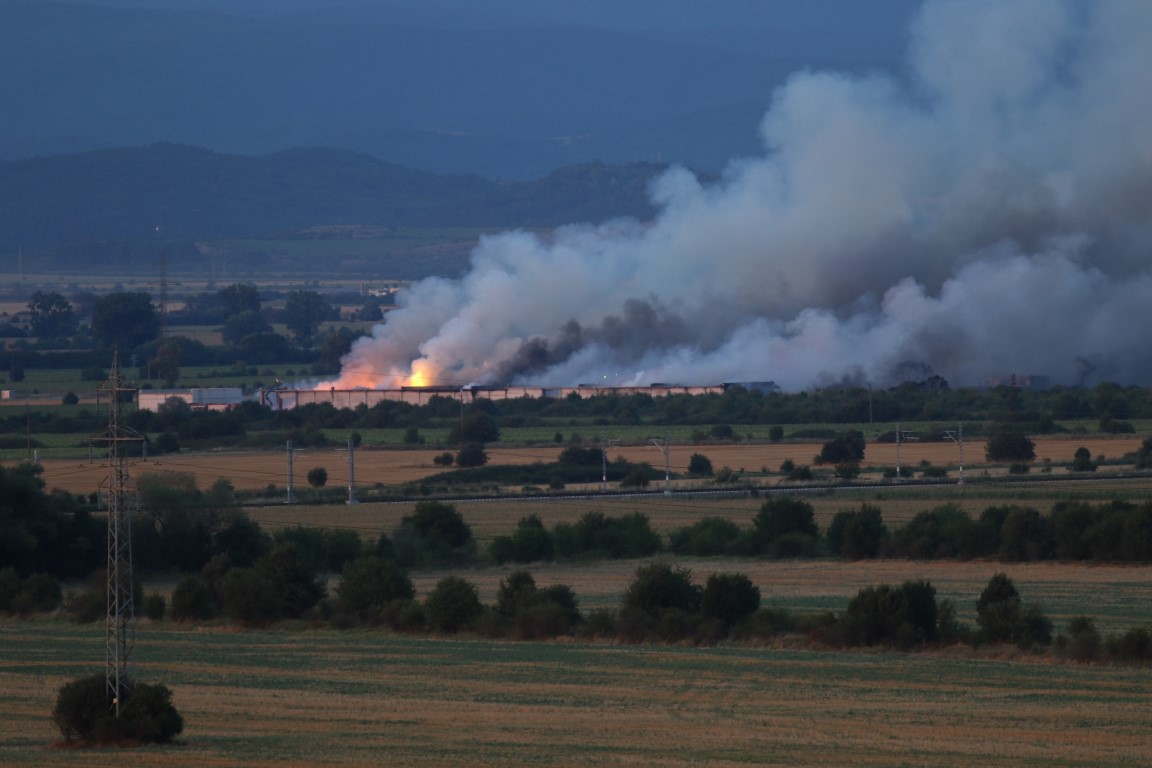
989, 213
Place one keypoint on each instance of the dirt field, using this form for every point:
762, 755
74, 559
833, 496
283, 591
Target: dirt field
394, 467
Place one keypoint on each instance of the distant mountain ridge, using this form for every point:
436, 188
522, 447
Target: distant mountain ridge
191, 193
506, 89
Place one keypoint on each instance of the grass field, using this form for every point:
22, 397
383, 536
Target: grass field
365, 698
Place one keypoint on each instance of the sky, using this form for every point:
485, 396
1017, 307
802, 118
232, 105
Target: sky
506, 88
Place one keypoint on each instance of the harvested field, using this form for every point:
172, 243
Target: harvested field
366, 698
254, 470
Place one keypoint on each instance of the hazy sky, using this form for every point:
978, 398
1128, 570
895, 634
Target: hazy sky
506, 88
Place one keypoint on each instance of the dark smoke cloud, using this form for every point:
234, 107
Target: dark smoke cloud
990, 213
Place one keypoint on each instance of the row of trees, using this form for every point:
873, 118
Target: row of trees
184, 528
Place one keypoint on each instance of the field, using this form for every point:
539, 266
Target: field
255, 470
299, 696
316, 697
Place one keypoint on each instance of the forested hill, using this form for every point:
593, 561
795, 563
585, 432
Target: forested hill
194, 194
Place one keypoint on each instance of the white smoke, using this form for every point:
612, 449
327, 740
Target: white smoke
991, 212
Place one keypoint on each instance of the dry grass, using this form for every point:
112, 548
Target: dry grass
254, 470
321, 698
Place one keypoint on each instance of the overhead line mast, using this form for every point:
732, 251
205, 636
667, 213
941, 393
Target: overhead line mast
120, 499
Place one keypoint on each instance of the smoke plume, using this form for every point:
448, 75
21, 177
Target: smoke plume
987, 212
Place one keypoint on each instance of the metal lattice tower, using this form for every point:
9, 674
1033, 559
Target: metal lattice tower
120, 499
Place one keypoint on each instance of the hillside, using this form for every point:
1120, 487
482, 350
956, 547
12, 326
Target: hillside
63, 210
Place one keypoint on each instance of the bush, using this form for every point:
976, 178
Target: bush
857, 535
699, 465
801, 473
249, 597
445, 459
637, 478
998, 609
1009, 446
1083, 642
317, 477
845, 448
1135, 645
368, 585
471, 455
294, 577
435, 533
730, 598
82, 713
154, 606
70, 398
452, 605
886, 615
1082, 461
709, 537
779, 517
192, 599
529, 543
659, 587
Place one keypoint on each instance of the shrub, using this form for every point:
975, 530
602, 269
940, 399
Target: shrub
659, 587
70, 398
317, 477
435, 533
445, 459
452, 605
998, 609
154, 606
471, 455
368, 585
845, 448
857, 535
637, 478
886, 615
294, 577
1082, 461
709, 537
800, 473
192, 599
730, 598
946, 531
1009, 446
1133, 645
700, 465
249, 597
530, 542
847, 470
779, 517
166, 442
1083, 642
82, 712
1025, 536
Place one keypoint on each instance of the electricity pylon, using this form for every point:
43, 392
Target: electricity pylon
120, 499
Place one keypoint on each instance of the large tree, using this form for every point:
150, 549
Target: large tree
304, 311
52, 315
125, 319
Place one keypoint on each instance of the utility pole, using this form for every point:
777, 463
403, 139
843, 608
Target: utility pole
291, 492
666, 450
120, 498
958, 438
352, 473
900, 437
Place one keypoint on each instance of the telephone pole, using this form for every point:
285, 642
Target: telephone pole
120, 500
